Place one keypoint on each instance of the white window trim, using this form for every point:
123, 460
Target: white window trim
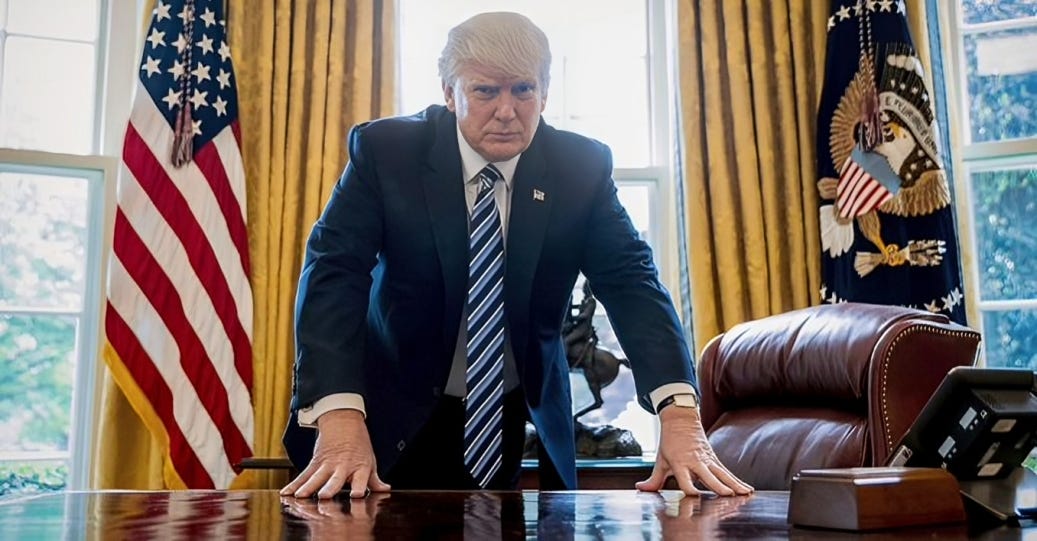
118, 48
99, 172
972, 157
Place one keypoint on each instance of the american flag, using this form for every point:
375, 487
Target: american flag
858, 191
178, 321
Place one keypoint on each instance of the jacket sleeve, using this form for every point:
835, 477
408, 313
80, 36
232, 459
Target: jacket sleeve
335, 283
622, 274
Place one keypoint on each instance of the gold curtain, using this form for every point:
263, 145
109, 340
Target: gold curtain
750, 76
306, 72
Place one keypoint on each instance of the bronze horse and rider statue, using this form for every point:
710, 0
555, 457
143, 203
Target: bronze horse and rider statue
598, 365
600, 368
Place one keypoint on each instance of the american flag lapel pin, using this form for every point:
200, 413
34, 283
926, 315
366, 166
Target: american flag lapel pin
538, 195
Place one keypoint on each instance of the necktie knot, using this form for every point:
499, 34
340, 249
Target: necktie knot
488, 176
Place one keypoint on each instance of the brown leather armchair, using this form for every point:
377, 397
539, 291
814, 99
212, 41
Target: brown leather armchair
829, 386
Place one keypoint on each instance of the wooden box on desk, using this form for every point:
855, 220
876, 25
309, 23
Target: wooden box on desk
874, 498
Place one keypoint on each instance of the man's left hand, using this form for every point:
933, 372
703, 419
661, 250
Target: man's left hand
685, 454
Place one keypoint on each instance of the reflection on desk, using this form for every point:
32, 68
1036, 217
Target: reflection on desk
264, 514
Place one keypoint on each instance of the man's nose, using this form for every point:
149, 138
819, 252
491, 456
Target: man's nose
505, 110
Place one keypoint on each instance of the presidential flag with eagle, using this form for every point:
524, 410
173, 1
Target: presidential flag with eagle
887, 224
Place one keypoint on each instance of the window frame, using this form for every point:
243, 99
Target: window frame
970, 157
117, 49
99, 174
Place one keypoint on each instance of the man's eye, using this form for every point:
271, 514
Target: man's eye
523, 90
485, 91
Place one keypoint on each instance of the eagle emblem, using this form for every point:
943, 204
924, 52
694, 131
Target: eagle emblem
901, 171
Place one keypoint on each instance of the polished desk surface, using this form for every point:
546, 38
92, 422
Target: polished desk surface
263, 514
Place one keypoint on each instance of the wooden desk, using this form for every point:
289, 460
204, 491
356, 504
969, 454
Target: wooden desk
617, 514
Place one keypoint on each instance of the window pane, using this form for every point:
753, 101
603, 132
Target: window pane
1005, 216
31, 477
637, 199
42, 241
591, 107
983, 11
1002, 84
1010, 338
38, 358
67, 19
47, 97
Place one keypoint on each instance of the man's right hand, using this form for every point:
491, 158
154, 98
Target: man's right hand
342, 454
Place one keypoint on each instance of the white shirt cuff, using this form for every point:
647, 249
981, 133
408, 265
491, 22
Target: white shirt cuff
340, 401
661, 393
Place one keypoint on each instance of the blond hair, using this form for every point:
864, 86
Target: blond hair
500, 40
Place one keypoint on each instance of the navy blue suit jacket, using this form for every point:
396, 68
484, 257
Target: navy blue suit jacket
383, 285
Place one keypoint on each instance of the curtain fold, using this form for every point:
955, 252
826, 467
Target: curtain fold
306, 73
750, 76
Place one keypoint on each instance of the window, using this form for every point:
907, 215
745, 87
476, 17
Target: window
992, 86
608, 81
57, 167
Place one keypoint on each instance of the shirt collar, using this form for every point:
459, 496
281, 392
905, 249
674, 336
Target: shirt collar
472, 162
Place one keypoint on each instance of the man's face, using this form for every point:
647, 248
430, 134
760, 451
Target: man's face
498, 113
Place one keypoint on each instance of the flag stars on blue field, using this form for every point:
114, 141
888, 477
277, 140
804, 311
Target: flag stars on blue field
164, 65
205, 44
162, 11
201, 73
151, 66
874, 6
220, 106
177, 69
156, 38
181, 43
185, 14
172, 98
198, 99
209, 17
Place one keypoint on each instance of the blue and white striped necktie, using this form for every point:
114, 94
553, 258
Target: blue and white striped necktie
484, 415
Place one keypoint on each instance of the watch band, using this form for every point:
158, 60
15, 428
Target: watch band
672, 400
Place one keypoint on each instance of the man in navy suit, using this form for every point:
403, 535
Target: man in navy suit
384, 305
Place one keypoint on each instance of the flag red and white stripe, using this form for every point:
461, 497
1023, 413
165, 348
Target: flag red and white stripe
178, 321
858, 192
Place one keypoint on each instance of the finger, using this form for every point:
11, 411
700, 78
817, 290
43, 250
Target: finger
376, 484
358, 485
683, 477
706, 475
290, 488
333, 485
654, 483
740, 487
314, 482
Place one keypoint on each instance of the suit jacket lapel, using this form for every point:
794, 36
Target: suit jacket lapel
530, 207
444, 195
